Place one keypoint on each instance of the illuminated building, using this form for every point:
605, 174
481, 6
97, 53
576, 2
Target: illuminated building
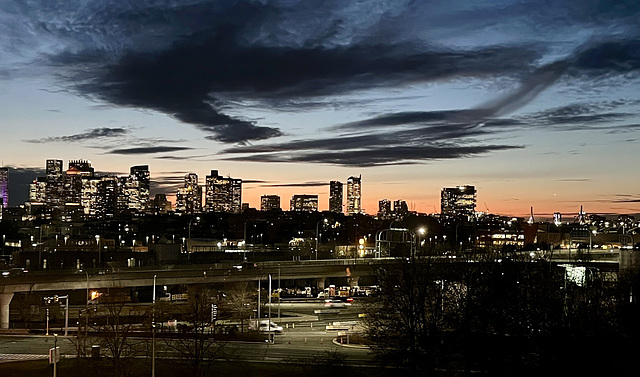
400, 208
458, 202
136, 188
335, 196
189, 197
384, 209
223, 194
302, 203
78, 191
72, 188
557, 218
38, 190
4, 187
354, 195
269, 202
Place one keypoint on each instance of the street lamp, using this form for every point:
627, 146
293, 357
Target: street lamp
99, 253
197, 218
421, 232
317, 233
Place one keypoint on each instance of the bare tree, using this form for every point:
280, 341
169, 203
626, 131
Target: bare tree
113, 323
240, 302
404, 325
197, 344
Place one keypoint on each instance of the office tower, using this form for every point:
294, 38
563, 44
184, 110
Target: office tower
458, 202
53, 183
335, 196
189, 197
72, 187
384, 209
400, 208
302, 203
38, 190
90, 196
223, 194
135, 189
80, 167
354, 195
4, 187
54, 170
141, 181
269, 202
110, 202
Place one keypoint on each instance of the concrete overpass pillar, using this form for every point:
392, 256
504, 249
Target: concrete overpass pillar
353, 281
5, 300
320, 283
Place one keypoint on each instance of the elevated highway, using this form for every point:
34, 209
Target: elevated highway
126, 277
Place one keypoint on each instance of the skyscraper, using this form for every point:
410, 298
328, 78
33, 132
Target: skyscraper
458, 201
269, 202
384, 209
354, 195
223, 194
335, 196
4, 187
50, 188
136, 188
400, 208
189, 197
300, 203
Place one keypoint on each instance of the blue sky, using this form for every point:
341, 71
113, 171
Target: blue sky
536, 103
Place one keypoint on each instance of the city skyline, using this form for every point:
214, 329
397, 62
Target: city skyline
533, 104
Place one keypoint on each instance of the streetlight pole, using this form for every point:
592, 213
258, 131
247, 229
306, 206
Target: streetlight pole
55, 355
99, 253
317, 234
197, 218
269, 325
153, 331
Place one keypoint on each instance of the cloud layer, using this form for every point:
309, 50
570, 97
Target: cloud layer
200, 61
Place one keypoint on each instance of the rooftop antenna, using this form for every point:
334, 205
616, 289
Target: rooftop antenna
531, 219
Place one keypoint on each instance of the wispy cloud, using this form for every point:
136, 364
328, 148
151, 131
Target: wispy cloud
148, 150
91, 134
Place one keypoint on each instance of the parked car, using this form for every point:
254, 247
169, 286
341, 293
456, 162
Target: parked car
264, 326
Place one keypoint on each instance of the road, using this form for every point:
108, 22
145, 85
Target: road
304, 337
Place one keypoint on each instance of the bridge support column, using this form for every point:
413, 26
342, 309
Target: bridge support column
5, 300
320, 283
353, 281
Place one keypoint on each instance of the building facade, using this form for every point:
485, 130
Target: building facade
189, 196
4, 187
223, 194
335, 196
458, 201
304, 203
354, 195
269, 202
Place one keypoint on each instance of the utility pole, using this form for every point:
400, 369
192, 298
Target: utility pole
270, 339
153, 330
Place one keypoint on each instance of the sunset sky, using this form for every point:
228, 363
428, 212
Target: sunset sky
536, 103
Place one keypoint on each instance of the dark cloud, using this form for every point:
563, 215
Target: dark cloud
199, 62
303, 184
19, 180
608, 57
378, 156
148, 150
92, 134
